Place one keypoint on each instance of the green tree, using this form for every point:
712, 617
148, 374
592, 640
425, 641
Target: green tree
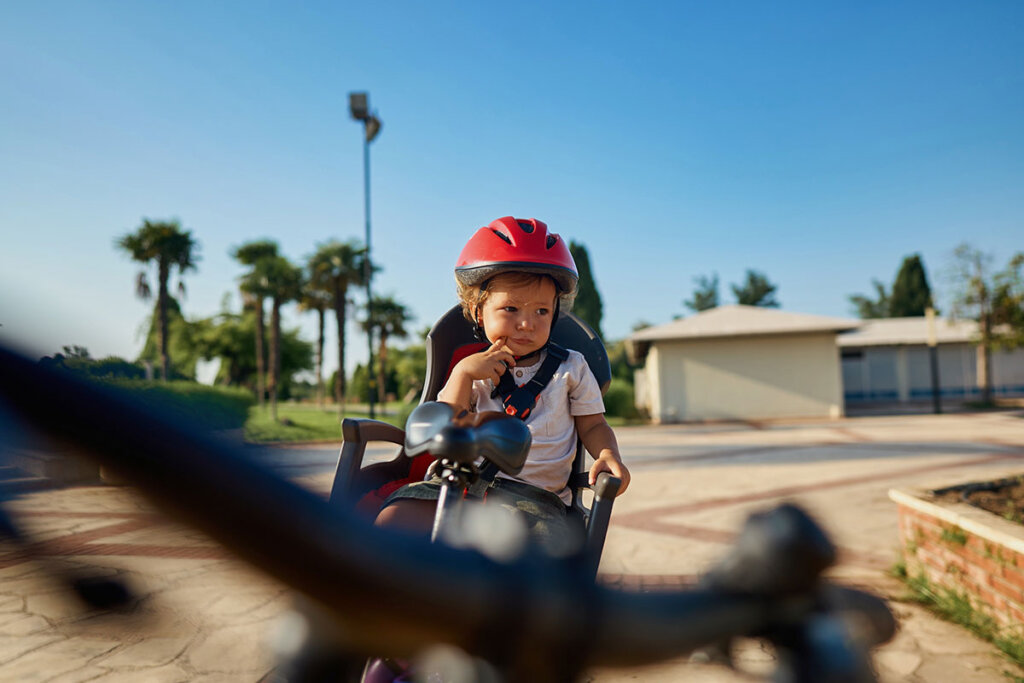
388, 319
284, 282
588, 306
76, 351
335, 266
994, 300
867, 307
358, 386
618, 358
705, 296
316, 297
1009, 303
230, 337
183, 347
410, 369
255, 290
166, 245
911, 294
756, 290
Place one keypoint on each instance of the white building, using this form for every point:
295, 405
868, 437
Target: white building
740, 362
748, 363
887, 360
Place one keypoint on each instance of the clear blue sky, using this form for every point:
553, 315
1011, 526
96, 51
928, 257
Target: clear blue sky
819, 143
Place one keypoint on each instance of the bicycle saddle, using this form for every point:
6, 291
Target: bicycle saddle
499, 438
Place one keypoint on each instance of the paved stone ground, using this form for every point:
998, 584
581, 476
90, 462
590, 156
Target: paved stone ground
204, 616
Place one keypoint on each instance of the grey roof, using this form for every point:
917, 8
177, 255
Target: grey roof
906, 331
742, 321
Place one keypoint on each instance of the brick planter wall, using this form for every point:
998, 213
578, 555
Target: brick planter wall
966, 549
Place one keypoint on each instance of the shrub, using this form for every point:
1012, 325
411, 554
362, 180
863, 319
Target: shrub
111, 367
618, 400
116, 367
209, 407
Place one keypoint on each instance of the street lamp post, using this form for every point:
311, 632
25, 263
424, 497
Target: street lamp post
358, 104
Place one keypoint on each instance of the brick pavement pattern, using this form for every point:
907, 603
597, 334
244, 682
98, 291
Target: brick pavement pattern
203, 616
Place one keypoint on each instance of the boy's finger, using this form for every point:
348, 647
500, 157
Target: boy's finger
499, 346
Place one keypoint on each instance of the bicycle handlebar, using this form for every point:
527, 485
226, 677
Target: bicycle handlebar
388, 592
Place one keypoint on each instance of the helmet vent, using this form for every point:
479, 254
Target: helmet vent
527, 227
552, 241
501, 235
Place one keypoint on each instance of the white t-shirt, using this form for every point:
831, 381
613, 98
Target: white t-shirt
572, 391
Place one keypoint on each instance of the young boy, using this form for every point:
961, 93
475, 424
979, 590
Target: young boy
513, 276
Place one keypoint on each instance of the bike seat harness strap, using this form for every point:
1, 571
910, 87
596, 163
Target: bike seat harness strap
519, 401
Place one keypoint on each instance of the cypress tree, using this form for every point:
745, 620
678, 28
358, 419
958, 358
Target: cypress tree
911, 294
588, 305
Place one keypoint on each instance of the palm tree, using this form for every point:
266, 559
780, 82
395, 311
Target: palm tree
254, 290
388, 319
284, 282
336, 266
170, 247
316, 297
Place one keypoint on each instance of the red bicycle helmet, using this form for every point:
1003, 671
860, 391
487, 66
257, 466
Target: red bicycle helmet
521, 244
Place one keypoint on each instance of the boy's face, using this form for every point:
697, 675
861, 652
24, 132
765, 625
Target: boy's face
522, 313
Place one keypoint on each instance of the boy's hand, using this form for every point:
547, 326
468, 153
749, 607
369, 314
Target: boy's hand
599, 440
490, 363
613, 466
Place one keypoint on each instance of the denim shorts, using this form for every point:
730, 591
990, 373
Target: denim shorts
543, 511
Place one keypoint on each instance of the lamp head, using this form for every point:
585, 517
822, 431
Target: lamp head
373, 126
358, 105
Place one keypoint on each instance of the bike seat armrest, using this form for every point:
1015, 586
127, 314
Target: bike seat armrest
605, 488
362, 431
357, 433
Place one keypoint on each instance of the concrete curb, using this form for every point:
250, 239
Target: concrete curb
969, 518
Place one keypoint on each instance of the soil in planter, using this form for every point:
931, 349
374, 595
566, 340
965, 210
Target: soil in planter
1004, 498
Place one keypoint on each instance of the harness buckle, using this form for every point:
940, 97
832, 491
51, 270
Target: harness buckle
519, 403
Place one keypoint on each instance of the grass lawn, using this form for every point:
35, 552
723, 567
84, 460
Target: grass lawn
305, 422
616, 421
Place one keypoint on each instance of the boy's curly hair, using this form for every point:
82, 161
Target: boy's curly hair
472, 297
